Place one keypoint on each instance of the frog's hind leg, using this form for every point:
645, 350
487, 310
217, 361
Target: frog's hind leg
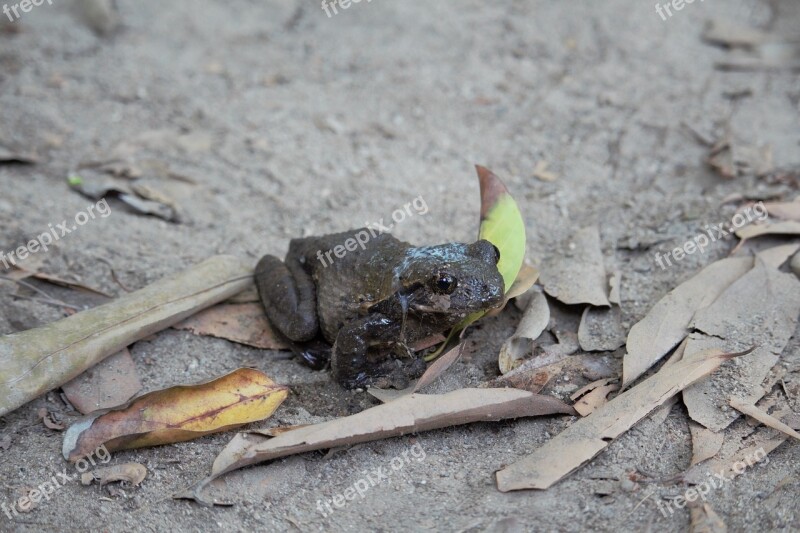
287, 292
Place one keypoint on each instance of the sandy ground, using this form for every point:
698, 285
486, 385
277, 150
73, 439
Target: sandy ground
294, 123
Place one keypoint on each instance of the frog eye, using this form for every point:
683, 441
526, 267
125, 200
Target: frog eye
496, 254
444, 283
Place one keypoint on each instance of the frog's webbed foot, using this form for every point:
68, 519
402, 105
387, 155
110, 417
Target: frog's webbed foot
287, 292
399, 373
363, 355
316, 354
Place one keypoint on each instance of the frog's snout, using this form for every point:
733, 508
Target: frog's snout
494, 293
491, 291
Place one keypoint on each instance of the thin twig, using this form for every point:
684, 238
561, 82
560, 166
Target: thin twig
38, 290
57, 303
114, 275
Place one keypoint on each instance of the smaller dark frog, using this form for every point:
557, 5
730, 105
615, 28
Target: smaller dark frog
373, 301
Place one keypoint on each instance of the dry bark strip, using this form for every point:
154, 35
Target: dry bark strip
589, 436
409, 414
38, 360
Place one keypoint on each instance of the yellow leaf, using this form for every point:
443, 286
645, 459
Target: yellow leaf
177, 414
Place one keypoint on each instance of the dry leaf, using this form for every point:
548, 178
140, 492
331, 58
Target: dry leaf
438, 367
732, 158
247, 296
705, 443
48, 420
533, 380
435, 369
596, 398
150, 192
601, 329
97, 189
725, 32
144, 206
590, 387
411, 414
111, 382
778, 255
20, 273
526, 278
533, 374
428, 342
588, 436
614, 286
177, 414
540, 171
666, 324
789, 227
705, 520
759, 309
390, 395
131, 473
660, 414
38, 360
280, 430
763, 442
242, 323
578, 275
755, 63
102, 16
531, 325
8, 156
140, 197
754, 412
784, 210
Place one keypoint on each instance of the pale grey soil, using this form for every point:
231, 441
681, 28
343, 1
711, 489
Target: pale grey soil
319, 124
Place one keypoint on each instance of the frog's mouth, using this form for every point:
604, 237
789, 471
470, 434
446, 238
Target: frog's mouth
437, 303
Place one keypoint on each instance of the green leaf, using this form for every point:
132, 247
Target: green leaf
502, 225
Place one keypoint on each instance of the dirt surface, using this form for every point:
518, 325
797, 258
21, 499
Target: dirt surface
293, 123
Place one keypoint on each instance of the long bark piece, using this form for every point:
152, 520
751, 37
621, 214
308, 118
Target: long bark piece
409, 414
38, 360
589, 436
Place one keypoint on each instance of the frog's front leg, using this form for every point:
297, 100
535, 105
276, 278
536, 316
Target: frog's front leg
362, 355
288, 294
